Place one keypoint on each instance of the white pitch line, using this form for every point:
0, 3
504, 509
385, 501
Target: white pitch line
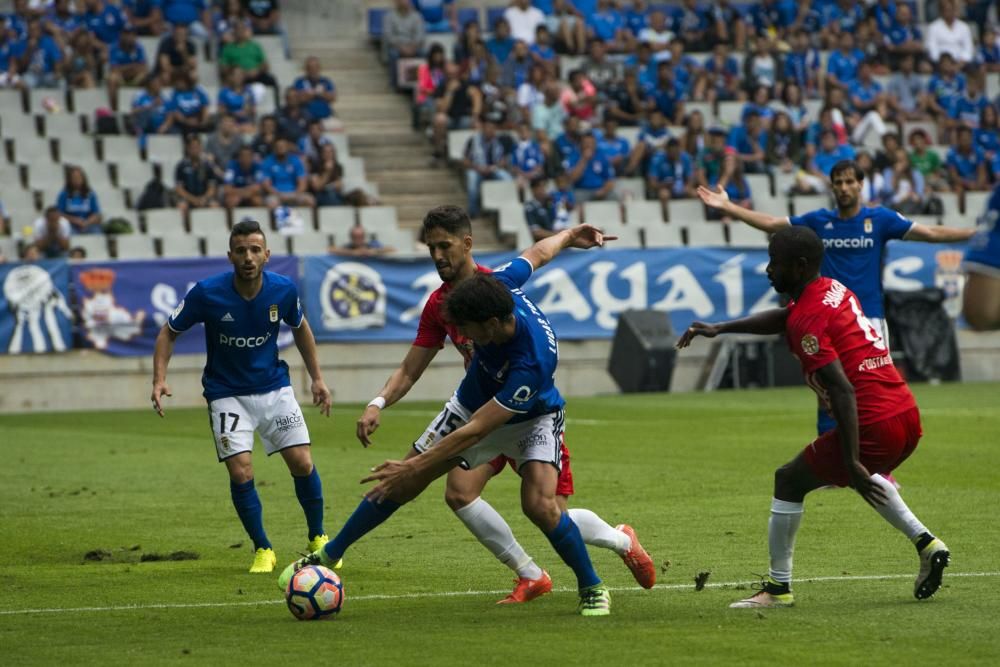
454, 594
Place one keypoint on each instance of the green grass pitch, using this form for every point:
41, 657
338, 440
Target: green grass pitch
691, 472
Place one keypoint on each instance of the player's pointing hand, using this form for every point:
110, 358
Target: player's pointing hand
696, 329
160, 389
588, 236
322, 396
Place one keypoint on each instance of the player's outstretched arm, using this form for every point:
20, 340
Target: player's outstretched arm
396, 387
161, 358
400, 478
928, 234
762, 324
306, 344
719, 199
580, 236
844, 407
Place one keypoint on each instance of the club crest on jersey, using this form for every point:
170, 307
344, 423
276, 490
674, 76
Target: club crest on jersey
810, 345
272, 312
868, 225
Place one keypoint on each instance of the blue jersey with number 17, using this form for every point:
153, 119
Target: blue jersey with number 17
854, 249
241, 335
520, 373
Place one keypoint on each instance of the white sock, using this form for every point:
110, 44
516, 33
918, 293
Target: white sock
781, 529
597, 533
493, 533
896, 512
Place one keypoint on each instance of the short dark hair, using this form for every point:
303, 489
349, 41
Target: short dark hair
479, 299
793, 241
245, 227
845, 165
452, 219
539, 180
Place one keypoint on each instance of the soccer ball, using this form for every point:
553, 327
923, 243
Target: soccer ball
314, 593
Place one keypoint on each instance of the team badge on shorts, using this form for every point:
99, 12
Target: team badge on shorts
810, 345
272, 312
224, 441
868, 225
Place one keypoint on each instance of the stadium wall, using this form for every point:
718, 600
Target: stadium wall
89, 380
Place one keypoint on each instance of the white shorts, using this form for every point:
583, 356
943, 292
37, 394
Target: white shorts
276, 415
537, 439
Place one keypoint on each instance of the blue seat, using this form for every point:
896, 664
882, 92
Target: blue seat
466, 14
375, 17
492, 14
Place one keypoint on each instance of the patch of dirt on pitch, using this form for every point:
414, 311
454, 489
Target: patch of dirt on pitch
175, 555
97, 555
700, 580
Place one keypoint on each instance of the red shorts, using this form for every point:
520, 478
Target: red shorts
564, 486
883, 447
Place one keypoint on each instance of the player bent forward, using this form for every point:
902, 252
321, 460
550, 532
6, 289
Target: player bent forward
247, 387
878, 425
516, 411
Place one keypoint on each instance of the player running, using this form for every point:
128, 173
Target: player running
846, 363
981, 300
854, 237
448, 233
507, 404
247, 387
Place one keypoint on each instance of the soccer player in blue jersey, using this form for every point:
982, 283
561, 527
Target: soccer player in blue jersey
854, 240
247, 387
506, 404
981, 297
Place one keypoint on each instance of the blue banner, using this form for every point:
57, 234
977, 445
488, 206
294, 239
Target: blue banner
35, 315
582, 292
123, 305
911, 265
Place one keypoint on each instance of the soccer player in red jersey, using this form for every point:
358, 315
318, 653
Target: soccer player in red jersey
448, 235
846, 363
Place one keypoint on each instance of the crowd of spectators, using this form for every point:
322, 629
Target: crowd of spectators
233, 155
547, 89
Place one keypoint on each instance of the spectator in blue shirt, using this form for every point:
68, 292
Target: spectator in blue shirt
149, 108
866, 93
842, 66
839, 17
541, 51
829, 154
652, 138
316, 92
760, 104
104, 20
592, 175
243, 180
607, 23
637, 17
145, 16
722, 75
772, 17
966, 164
965, 109
614, 147
542, 217
987, 135
78, 203
749, 143
671, 173
527, 160
188, 109
691, 24
439, 15
903, 37
127, 64
285, 180
191, 13
61, 21
664, 97
236, 99
944, 88
37, 57
501, 43
802, 64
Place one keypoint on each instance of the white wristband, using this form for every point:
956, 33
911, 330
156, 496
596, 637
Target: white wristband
378, 402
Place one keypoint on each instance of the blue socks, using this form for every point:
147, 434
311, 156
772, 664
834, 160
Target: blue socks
365, 519
568, 543
309, 491
251, 512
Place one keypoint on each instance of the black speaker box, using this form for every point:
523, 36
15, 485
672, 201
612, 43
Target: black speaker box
642, 352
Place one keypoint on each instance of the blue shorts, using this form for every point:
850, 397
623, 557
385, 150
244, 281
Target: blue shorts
983, 255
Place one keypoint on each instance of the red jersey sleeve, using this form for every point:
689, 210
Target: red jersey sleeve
431, 331
810, 341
